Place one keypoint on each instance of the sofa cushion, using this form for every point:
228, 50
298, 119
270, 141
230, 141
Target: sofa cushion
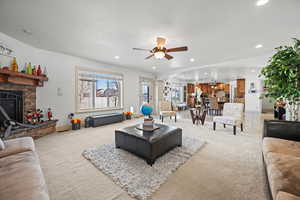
17, 145
286, 196
283, 173
277, 145
22, 178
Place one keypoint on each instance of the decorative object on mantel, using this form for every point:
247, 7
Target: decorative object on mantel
14, 65
39, 71
29, 68
45, 72
24, 68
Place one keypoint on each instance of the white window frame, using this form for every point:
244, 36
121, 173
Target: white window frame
77, 106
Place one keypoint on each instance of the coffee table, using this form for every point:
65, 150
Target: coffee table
148, 145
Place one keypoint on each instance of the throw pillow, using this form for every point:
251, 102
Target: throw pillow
1, 145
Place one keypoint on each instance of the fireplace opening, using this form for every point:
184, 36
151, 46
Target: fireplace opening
12, 102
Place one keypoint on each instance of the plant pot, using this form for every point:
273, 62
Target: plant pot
76, 126
288, 130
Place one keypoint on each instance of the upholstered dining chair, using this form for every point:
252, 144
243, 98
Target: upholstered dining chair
214, 108
166, 110
233, 115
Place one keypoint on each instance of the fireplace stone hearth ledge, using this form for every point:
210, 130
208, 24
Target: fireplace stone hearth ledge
38, 131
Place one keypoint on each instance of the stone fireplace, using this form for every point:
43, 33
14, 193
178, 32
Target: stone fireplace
17, 100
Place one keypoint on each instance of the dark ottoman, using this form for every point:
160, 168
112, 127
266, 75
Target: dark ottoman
148, 145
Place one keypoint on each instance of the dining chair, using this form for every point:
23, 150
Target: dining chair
214, 108
166, 110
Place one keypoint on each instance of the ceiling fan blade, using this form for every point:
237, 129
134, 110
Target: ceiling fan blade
139, 49
177, 49
168, 56
149, 56
160, 42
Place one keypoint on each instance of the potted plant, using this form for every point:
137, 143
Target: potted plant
282, 78
282, 81
127, 115
76, 124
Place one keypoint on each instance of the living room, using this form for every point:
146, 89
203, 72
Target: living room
145, 100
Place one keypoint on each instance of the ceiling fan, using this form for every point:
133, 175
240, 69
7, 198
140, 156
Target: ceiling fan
160, 51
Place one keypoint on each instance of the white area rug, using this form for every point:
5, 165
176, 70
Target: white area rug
133, 174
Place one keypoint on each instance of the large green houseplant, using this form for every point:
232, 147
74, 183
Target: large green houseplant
282, 78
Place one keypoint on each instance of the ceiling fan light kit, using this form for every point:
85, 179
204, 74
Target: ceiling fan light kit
159, 55
160, 51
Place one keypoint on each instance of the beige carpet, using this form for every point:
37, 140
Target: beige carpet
227, 168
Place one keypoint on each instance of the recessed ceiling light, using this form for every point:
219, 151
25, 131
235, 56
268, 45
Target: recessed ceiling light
154, 67
117, 57
262, 2
205, 73
252, 70
192, 60
258, 46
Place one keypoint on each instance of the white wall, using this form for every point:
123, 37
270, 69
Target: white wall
61, 73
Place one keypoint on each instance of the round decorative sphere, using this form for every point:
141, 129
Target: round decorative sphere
146, 109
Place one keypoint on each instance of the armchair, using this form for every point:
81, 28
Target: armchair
166, 110
233, 115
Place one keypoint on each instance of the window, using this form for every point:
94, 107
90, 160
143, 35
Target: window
146, 91
146, 94
98, 91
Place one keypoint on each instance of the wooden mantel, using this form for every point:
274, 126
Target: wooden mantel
19, 78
